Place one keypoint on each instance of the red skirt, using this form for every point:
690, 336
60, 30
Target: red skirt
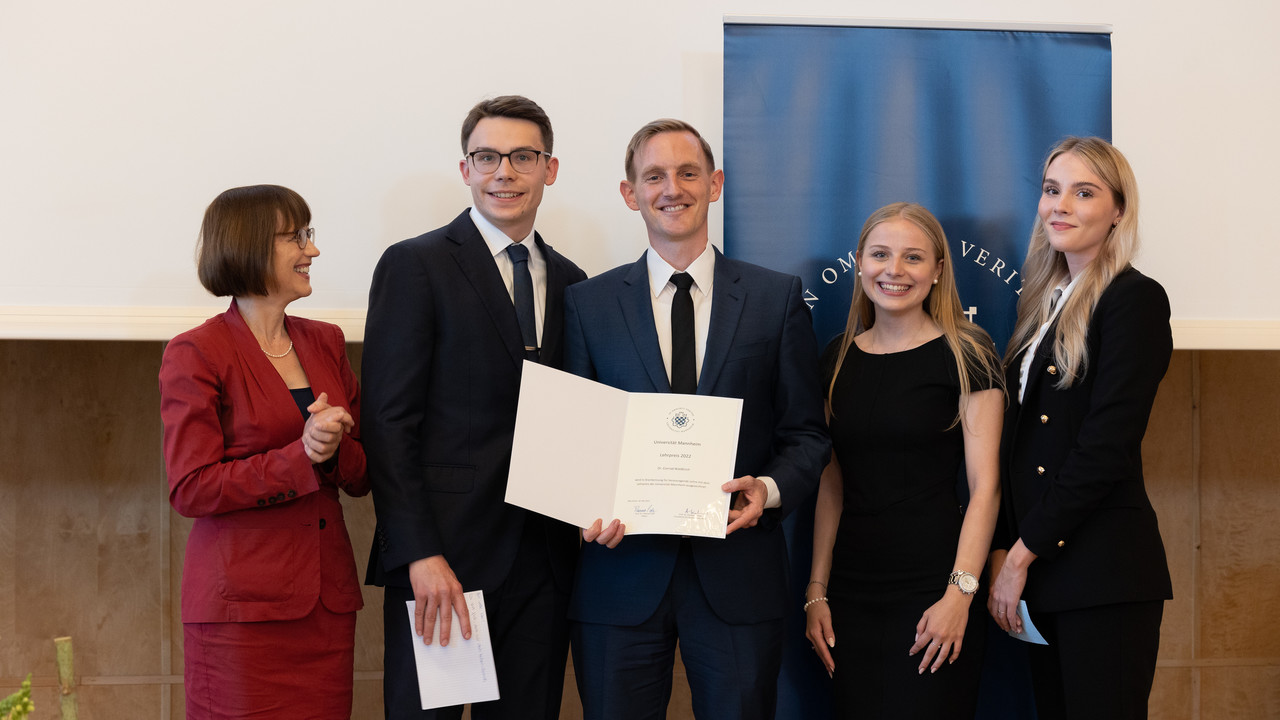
279, 670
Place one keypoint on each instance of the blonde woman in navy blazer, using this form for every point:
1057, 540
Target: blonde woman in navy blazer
1078, 538
261, 431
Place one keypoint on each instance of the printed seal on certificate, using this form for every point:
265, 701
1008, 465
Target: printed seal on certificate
680, 419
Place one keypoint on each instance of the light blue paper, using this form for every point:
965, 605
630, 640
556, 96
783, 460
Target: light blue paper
1029, 632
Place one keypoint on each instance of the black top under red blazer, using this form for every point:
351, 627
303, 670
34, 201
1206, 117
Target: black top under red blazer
1073, 488
268, 540
441, 376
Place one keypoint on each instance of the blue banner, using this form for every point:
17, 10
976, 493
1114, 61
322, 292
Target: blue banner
823, 125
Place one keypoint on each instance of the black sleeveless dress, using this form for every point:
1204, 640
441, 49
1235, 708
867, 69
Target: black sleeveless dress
899, 528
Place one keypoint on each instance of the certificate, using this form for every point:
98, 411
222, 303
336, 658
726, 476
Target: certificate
655, 461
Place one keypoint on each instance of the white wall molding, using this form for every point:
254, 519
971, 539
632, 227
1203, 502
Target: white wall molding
19, 322
137, 323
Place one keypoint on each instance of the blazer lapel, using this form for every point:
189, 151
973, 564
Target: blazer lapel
727, 300
553, 315
637, 313
1044, 356
320, 374
259, 370
475, 261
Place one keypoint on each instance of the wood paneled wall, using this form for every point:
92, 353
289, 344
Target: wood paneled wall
89, 546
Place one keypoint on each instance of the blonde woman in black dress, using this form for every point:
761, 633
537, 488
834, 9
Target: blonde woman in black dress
914, 398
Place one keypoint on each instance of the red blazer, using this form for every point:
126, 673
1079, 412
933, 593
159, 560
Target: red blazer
269, 539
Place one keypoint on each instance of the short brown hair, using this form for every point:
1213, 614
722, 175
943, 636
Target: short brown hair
517, 107
657, 127
237, 238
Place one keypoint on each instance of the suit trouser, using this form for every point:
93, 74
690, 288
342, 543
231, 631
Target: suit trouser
530, 635
624, 672
1099, 663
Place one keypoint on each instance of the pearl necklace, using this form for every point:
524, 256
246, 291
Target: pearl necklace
286, 352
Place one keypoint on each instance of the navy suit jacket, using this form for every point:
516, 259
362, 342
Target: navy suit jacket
1072, 459
441, 376
760, 348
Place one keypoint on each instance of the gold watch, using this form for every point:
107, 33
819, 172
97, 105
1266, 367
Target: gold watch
966, 581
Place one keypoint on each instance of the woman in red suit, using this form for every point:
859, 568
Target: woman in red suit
261, 430
1079, 541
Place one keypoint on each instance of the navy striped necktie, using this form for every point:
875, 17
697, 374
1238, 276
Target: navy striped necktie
523, 283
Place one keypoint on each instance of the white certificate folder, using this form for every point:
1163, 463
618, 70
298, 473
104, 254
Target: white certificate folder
461, 672
655, 461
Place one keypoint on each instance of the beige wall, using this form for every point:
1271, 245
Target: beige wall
89, 547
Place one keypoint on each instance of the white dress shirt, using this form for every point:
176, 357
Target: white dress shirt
1035, 343
498, 242
661, 293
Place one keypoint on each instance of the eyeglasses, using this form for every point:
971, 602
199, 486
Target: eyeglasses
523, 161
300, 237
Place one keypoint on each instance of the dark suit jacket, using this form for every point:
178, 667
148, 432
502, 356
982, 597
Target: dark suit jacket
760, 348
441, 370
269, 538
1072, 459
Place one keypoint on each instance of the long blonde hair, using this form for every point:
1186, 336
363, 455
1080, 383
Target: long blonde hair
970, 345
1046, 268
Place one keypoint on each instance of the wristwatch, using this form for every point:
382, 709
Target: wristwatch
966, 581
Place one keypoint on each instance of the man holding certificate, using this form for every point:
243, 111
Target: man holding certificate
686, 319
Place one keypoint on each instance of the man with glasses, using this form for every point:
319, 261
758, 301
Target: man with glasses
684, 318
452, 316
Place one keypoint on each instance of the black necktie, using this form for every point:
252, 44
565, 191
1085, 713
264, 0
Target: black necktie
523, 281
684, 373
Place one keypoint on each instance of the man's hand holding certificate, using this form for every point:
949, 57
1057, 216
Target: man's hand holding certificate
655, 461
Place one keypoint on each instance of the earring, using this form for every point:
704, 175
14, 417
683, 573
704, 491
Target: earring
935, 281
859, 273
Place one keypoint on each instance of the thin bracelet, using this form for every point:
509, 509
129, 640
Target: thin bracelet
817, 582
817, 599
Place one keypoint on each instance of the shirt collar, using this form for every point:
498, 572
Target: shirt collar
703, 270
495, 238
1062, 299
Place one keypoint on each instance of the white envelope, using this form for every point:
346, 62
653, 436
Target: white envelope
461, 672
